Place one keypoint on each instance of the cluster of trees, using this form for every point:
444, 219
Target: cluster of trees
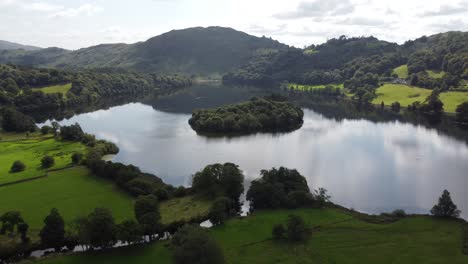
284, 188
224, 183
257, 115
88, 86
14, 121
322, 64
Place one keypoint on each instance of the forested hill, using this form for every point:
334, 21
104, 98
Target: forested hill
212, 50
365, 59
6, 45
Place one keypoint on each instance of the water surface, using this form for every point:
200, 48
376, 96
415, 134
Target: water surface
371, 167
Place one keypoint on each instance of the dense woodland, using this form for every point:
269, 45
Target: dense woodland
362, 61
87, 87
256, 115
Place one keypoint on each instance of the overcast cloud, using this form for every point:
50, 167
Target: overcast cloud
75, 24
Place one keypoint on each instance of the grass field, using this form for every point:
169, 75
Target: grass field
184, 208
401, 71
435, 74
60, 88
30, 151
74, 192
302, 87
337, 238
406, 95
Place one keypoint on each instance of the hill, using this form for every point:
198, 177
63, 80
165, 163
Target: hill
6, 45
194, 50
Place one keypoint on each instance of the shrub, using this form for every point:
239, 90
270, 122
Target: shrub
297, 229
400, 213
47, 162
17, 166
77, 157
192, 244
396, 107
278, 232
221, 210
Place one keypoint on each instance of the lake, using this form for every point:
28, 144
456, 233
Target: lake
371, 167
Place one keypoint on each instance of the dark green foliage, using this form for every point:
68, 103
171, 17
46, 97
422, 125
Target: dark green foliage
279, 188
77, 158
72, 132
462, 112
297, 231
129, 231
219, 180
193, 245
278, 232
221, 210
17, 166
127, 177
396, 107
465, 238
321, 196
257, 115
23, 230
433, 104
147, 214
14, 121
46, 130
445, 207
10, 220
400, 213
53, 233
47, 162
101, 228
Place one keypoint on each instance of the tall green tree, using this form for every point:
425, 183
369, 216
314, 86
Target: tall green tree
101, 228
53, 232
147, 214
445, 207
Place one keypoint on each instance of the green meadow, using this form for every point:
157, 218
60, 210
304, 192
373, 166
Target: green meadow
435, 74
406, 95
303, 87
401, 71
60, 88
30, 151
337, 237
74, 192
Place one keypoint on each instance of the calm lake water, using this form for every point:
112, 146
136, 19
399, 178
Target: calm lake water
371, 167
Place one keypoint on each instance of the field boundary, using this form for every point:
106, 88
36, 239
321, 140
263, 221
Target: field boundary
36, 177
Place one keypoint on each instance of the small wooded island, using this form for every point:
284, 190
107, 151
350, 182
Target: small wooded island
256, 115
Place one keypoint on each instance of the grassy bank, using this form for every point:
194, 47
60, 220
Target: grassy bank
337, 238
184, 208
30, 151
406, 95
401, 71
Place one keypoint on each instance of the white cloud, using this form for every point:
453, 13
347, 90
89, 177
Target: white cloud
85, 9
446, 9
318, 9
43, 7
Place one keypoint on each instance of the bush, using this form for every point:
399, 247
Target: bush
46, 130
400, 213
221, 210
17, 166
192, 244
297, 230
76, 158
396, 107
47, 162
278, 232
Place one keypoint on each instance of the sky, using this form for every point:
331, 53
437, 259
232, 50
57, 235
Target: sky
75, 24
